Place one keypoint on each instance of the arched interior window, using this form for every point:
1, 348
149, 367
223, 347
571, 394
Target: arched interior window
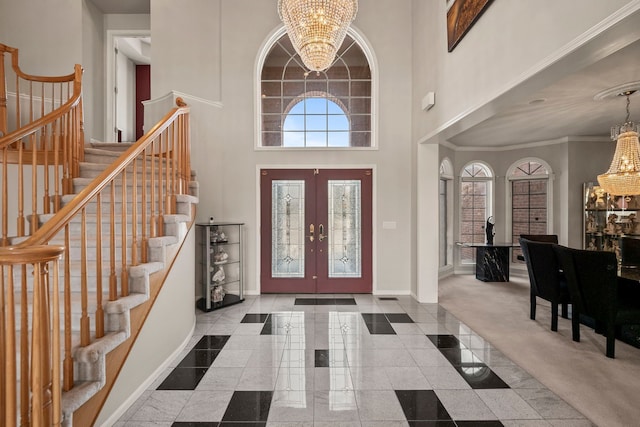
445, 211
476, 193
529, 181
315, 109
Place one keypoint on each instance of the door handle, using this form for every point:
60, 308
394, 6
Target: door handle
311, 232
321, 237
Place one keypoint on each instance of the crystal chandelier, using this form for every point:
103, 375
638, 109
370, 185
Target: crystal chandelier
317, 28
623, 176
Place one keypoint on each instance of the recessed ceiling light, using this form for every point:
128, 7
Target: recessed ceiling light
537, 101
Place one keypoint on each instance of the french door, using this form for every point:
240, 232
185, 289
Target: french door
316, 230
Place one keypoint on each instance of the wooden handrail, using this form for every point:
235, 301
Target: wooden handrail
66, 213
30, 391
120, 239
48, 136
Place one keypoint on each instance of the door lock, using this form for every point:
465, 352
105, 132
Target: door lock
322, 236
311, 232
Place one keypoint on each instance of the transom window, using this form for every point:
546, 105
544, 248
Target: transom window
316, 122
476, 192
327, 109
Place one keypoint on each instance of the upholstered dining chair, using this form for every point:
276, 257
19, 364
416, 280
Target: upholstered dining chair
545, 278
629, 252
549, 238
598, 292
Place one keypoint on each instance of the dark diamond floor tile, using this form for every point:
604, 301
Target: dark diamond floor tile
248, 406
345, 301
183, 379
305, 301
254, 318
194, 424
399, 318
480, 376
422, 405
388, 298
322, 359
199, 358
444, 341
432, 424
374, 318
381, 328
212, 342
484, 423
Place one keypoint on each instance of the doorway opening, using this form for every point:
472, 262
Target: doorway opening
128, 84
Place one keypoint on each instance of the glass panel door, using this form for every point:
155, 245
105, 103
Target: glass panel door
316, 231
287, 228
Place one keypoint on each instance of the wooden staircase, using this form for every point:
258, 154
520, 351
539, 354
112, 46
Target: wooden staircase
90, 370
105, 223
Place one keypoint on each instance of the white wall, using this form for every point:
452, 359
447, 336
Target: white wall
166, 331
228, 174
490, 69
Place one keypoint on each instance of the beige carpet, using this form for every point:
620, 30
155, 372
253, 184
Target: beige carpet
607, 391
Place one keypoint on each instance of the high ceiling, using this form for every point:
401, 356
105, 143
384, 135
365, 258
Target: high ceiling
550, 108
565, 108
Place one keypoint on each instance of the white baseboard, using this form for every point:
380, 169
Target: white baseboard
115, 416
393, 292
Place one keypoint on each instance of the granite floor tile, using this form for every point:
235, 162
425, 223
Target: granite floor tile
228, 358
205, 405
378, 405
335, 406
248, 406
291, 405
295, 379
516, 377
365, 378
162, 406
444, 377
220, 379
258, 379
465, 405
183, 379
406, 328
272, 363
428, 357
333, 379
507, 404
422, 405
548, 404
407, 378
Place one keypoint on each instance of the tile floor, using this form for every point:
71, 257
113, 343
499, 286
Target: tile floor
343, 360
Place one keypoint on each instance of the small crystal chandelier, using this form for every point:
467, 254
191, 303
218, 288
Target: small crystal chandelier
317, 28
623, 176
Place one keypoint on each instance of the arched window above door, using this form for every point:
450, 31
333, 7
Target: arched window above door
329, 109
